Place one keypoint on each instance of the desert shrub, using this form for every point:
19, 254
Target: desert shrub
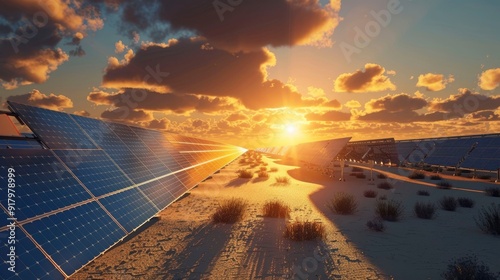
465, 202
425, 210
276, 209
370, 193
360, 176
265, 164
273, 169
383, 197
381, 176
467, 268
263, 174
282, 180
356, 169
263, 168
436, 177
299, 231
242, 161
444, 185
390, 210
385, 186
488, 219
423, 193
376, 225
246, 174
417, 175
492, 191
230, 211
448, 203
343, 204
253, 165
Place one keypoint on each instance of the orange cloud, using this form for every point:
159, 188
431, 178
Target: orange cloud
490, 79
31, 54
122, 115
38, 99
160, 102
267, 22
335, 116
396, 103
236, 117
353, 104
434, 82
175, 66
465, 102
372, 79
82, 113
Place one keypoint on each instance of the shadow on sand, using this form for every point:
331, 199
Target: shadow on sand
204, 246
271, 255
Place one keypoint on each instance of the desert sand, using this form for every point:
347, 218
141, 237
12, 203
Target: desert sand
182, 243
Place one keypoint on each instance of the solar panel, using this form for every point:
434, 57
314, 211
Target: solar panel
130, 208
95, 169
74, 237
160, 191
80, 199
56, 129
42, 182
19, 144
30, 263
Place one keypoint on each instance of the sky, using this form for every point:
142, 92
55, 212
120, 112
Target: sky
259, 73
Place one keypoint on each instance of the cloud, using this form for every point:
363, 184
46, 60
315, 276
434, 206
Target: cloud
161, 124
335, 116
38, 99
82, 113
484, 116
352, 104
465, 102
334, 103
315, 92
372, 79
396, 103
155, 101
29, 52
236, 117
490, 79
175, 67
123, 115
247, 25
119, 47
434, 82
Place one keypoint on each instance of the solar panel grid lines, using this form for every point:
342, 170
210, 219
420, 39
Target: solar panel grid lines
56, 129
34, 170
38, 263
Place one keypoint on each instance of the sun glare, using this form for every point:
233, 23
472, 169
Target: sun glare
290, 129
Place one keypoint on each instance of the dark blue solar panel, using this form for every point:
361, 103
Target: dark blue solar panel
485, 156
19, 144
3, 218
56, 129
130, 208
159, 145
30, 262
96, 171
76, 236
159, 192
42, 182
106, 138
139, 148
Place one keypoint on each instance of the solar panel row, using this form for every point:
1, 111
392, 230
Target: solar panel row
320, 152
473, 152
98, 182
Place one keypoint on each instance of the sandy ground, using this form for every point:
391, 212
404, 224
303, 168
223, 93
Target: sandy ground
184, 244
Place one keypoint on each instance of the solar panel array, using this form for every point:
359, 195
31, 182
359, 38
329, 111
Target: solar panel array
480, 152
379, 150
319, 153
97, 182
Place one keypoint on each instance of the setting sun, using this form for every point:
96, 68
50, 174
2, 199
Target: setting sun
291, 129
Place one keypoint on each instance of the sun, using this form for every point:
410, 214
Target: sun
290, 129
